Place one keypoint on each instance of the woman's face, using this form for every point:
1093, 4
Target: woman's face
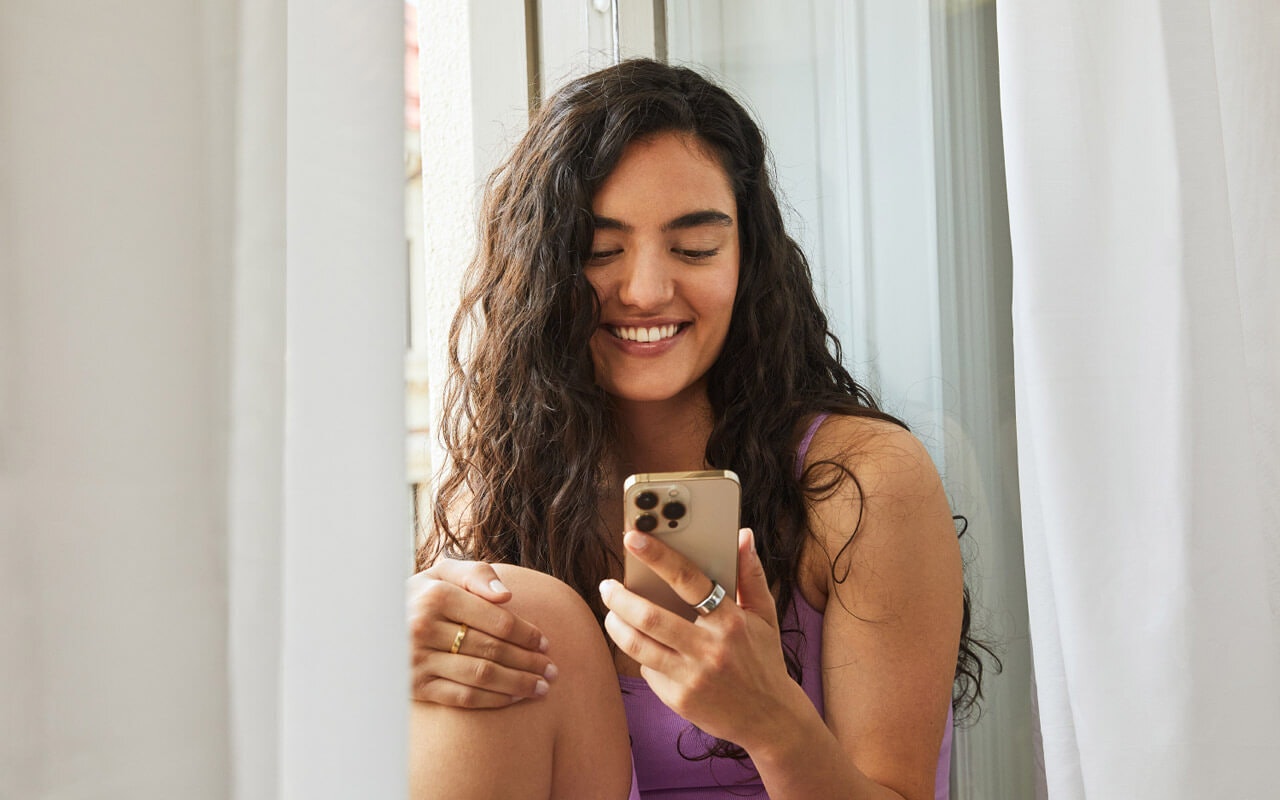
664, 264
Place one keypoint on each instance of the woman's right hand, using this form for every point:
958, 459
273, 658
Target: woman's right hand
501, 659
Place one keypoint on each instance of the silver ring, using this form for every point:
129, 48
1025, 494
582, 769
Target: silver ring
713, 600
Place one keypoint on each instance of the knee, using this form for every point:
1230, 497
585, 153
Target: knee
592, 750
567, 744
554, 607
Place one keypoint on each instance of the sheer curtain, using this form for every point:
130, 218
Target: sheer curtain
1142, 146
202, 495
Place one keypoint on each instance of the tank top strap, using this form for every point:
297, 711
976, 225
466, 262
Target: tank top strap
803, 449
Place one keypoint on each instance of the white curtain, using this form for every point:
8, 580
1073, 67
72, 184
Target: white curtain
1142, 142
203, 511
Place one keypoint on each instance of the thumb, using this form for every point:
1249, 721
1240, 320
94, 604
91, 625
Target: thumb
753, 586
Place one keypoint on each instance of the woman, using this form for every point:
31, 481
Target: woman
636, 306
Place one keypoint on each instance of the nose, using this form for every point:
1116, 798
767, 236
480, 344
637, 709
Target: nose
646, 282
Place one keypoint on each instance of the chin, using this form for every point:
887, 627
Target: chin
646, 394
651, 391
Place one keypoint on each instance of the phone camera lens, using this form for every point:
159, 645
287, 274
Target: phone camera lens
673, 510
646, 501
645, 523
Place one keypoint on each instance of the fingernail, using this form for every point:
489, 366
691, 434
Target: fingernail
544, 645
497, 586
541, 688
515, 700
638, 541
551, 672
606, 589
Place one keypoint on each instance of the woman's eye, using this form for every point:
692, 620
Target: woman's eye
601, 256
698, 255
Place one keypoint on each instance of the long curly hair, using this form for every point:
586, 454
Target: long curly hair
529, 434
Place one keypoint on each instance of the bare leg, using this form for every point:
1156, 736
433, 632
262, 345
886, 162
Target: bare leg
570, 744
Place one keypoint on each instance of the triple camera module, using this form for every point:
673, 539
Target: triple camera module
673, 508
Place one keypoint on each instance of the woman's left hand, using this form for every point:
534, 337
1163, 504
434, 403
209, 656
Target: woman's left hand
724, 672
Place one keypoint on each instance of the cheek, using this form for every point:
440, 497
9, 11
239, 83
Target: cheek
596, 346
731, 297
725, 295
722, 317
599, 280
599, 365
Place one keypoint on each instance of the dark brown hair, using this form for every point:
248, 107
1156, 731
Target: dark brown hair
529, 433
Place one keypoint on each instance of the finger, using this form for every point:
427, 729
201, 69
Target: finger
684, 576
479, 644
442, 600
480, 673
496, 621
456, 695
644, 649
476, 577
647, 618
753, 584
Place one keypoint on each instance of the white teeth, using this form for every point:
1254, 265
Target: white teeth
654, 334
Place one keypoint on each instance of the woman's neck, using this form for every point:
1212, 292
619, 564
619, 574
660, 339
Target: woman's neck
666, 436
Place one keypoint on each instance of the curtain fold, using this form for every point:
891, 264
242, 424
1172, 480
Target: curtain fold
1142, 148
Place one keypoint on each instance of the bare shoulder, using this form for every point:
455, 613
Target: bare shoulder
876, 471
882, 455
878, 503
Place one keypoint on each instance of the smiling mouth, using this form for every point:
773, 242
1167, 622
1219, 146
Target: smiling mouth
654, 334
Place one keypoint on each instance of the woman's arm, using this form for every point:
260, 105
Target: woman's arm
891, 628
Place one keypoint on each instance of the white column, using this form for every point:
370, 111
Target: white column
344, 664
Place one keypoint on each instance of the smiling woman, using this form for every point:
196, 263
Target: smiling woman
636, 305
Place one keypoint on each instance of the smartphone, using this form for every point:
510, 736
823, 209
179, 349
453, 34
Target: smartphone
695, 513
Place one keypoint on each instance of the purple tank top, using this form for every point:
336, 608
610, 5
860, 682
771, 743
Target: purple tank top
659, 736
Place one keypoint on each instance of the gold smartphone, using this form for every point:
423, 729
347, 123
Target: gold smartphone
695, 513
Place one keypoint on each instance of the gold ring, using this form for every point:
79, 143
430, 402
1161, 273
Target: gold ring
457, 640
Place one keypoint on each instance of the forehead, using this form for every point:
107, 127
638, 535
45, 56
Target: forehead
672, 173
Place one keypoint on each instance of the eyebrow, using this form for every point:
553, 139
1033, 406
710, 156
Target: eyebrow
694, 219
